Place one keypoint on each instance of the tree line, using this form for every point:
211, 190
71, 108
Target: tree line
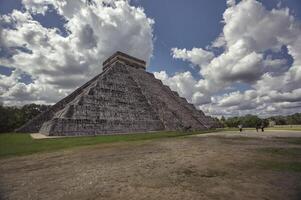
253, 120
12, 117
287, 120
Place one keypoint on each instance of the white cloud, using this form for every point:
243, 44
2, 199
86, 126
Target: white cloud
237, 98
230, 2
250, 32
197, 56
181, 82
186, 85
37, 6
292, 96
61, 63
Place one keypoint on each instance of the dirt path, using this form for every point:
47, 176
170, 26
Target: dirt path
255, 134
207, 167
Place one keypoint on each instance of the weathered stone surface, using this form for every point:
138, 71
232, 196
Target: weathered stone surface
124, 98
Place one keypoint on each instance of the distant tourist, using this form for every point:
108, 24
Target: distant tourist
257, 127
240, 127
187, 128
262, 127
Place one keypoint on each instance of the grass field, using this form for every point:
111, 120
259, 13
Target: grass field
14, 144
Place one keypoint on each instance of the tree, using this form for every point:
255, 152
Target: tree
14, 117
223, 119
246, 121
251, 121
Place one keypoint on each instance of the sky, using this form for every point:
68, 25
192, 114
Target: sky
228, 57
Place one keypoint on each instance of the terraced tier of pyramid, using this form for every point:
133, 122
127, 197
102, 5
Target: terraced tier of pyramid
124, 98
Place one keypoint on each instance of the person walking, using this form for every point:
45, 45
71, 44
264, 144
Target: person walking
257, 127
240, 127
262, 127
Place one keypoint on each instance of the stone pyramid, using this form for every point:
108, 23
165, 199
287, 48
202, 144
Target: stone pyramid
124, 98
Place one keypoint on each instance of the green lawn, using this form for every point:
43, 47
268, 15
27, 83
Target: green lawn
14, 144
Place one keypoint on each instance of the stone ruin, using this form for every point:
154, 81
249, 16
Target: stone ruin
124, 98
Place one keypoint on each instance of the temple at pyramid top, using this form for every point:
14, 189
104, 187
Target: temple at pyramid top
124, 98
124, 59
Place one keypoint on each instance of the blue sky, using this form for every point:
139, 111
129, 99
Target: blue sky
188, 24
182, 24
196, 67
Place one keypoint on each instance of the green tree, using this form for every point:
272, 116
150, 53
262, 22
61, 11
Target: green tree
14, 117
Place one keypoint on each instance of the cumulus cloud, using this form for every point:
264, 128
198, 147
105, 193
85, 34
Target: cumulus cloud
237, 98
251, 36
230, 2
181, 82
292, 96
186, 85
58, 63
197, 56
